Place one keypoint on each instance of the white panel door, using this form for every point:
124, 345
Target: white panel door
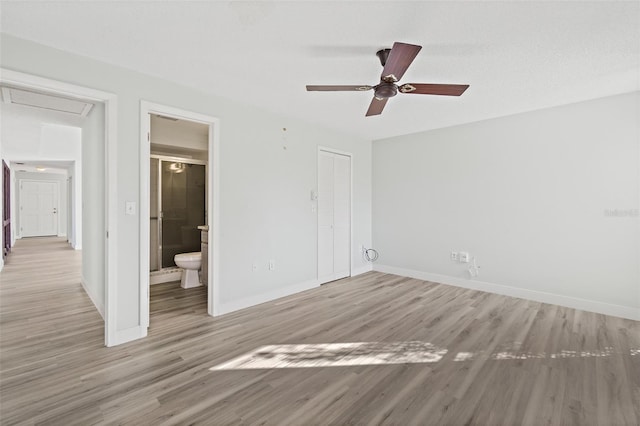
38, 208
325, 214
334, 216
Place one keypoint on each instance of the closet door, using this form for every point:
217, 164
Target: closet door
334, 216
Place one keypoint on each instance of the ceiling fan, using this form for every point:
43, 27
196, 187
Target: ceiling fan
395, 62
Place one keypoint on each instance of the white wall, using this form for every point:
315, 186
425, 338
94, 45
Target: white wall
93, 207
59, 179
527, 195
30, 134
265, 189
180, 133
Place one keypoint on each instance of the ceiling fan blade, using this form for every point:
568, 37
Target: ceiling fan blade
360, 88
376, 106
434, 89
399, 59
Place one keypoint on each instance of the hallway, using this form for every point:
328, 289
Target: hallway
41, 287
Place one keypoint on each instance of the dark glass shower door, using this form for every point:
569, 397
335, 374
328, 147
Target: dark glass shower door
178, 207
183, 200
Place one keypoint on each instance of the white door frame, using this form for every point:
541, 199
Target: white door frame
213, 201
350, 155
70, 213
28, 81
57, 207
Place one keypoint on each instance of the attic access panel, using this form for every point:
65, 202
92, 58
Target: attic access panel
15, 96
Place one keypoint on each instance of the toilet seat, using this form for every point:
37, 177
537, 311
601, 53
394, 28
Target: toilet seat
195, 255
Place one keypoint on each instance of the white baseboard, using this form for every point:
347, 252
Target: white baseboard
361, 270
627, 312
127, 335
98, 306
247, 302
165, 277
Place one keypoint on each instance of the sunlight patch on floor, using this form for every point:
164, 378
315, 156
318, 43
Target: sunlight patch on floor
335, 355
382, 353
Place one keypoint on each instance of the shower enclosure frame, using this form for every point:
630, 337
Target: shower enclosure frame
174, 159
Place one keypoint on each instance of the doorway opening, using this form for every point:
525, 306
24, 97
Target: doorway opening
45, 175
178, 211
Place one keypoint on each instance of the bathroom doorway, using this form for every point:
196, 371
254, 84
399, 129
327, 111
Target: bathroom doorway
178, 211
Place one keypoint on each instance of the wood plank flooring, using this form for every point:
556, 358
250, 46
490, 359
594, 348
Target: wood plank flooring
498, 360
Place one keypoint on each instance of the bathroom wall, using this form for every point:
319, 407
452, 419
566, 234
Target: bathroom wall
170, 134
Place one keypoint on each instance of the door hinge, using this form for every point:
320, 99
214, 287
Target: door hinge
148, 137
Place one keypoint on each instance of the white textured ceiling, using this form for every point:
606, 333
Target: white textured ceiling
517, 56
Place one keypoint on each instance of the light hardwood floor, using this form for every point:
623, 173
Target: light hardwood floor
487, 359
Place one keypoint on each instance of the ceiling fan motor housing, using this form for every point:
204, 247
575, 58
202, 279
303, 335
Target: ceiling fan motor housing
386, 90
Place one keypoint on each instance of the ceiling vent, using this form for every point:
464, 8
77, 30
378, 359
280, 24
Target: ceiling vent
76, 107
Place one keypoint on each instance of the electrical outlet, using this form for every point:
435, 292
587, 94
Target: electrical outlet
454, 255
463, 257
272, 265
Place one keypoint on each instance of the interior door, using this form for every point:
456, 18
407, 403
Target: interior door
334, 216
38, 208
6, 209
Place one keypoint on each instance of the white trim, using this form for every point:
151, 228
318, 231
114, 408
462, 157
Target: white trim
334, 151
213, 203
98, 306
165, 277
29, 81
213, 219
270, 296
361, 270
350, 155
522, 293
129, 334
178, 159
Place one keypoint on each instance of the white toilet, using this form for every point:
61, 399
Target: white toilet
190, 264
